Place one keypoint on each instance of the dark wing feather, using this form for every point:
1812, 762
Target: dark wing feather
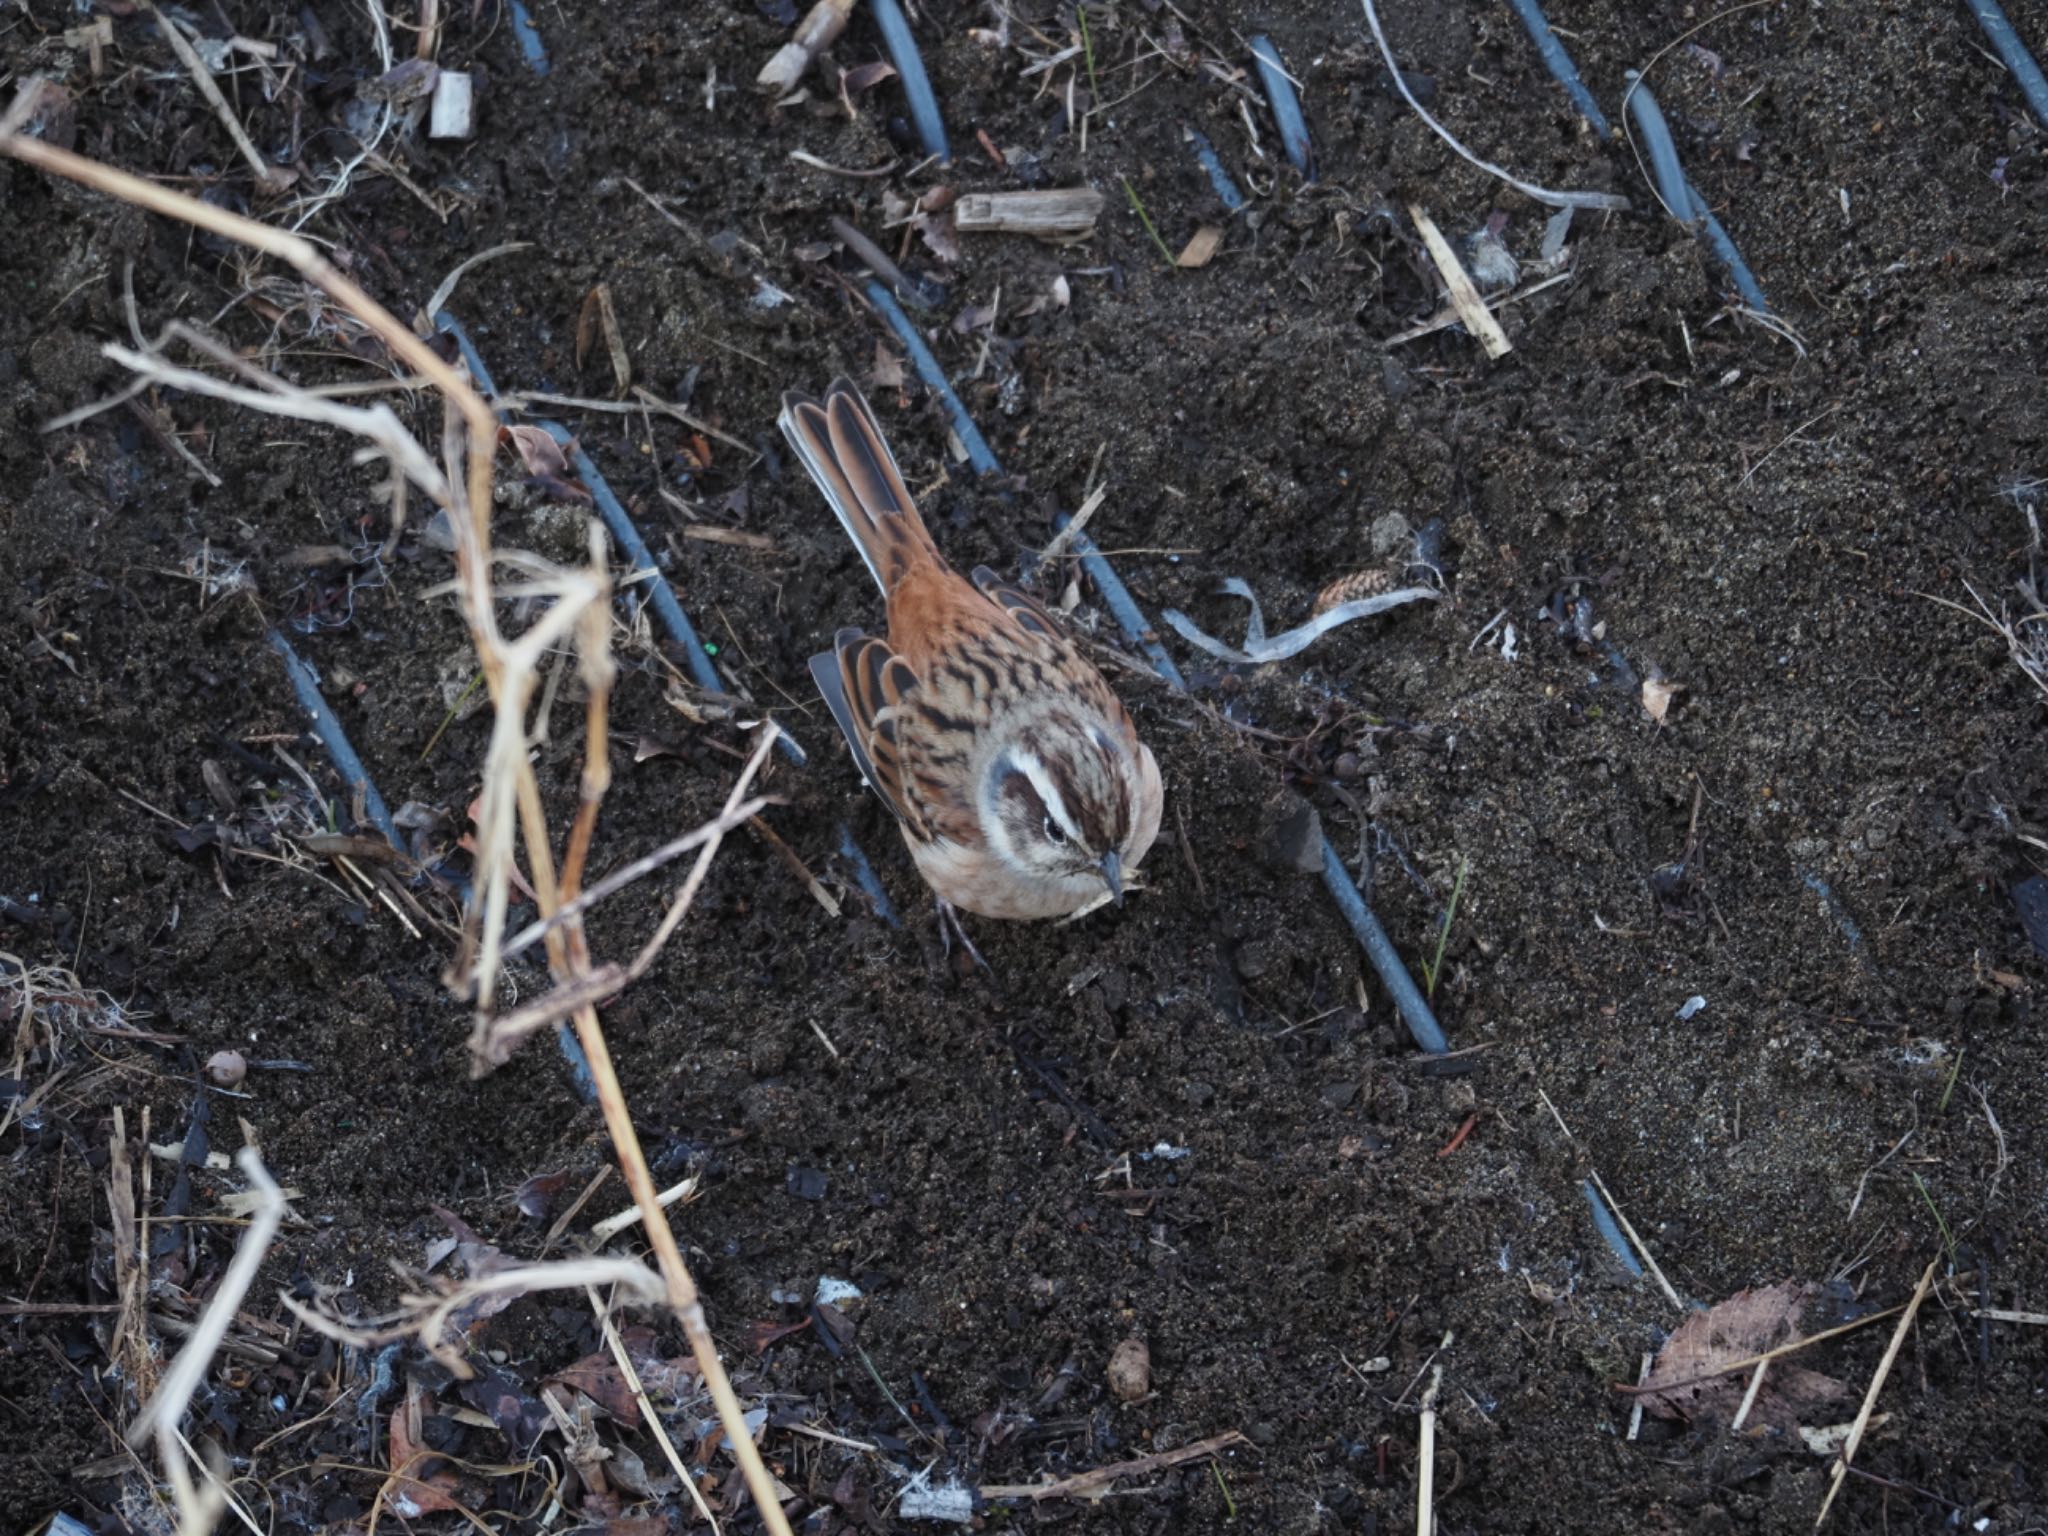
865, 685
1030, 614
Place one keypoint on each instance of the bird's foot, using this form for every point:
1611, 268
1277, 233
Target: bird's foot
951, 928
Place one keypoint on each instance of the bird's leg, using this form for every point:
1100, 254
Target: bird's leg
950, 927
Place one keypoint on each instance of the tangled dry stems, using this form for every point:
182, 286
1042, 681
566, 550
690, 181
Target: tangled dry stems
577, 605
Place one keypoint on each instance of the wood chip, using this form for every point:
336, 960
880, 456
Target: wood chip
1201, 248
1465, 298
1061, 213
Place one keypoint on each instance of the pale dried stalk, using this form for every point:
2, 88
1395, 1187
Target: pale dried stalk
426, 1317
1840, 1474
473, 565
197, 1510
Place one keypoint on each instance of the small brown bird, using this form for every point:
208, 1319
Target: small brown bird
1015, 773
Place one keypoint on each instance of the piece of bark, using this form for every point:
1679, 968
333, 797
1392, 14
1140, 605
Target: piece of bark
1061, 213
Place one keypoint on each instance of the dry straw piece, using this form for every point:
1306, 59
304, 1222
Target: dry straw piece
512, 792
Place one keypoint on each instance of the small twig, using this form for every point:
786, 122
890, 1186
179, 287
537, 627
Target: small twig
197, 1512
267, 175
1465, 299
1649, 1259
1884, 1366
1088, 1484
1057, 545
1635, 1412
795, 865
648, 1416
1756, 1383
1425, 1458
630, 1218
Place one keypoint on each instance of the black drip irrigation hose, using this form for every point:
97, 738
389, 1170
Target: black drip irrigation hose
2025, 72
1130, 618
1679, 196
531, 47
1219, 178
917, 85
1287, 115
1561, 64
1605, 1224
334, 740
865, 877
978, 452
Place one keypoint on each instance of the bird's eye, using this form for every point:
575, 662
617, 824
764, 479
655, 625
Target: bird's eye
1054, 833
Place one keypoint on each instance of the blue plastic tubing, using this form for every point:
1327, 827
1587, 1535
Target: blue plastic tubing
1379, 949
1286, 106
1219, 178
1560, 63
1681, 198
865, 877
2014, 52
334, 739
917, 85
1603, 1219
531, 47
978, 452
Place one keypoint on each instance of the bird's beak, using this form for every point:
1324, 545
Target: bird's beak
1113, 877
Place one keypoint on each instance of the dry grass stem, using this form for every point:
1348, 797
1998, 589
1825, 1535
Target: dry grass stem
511, 790
426, 1318
268, 176
1649, 1260
626, 1220
1465, 298
1425, 1458
1089, 1485
198, 1511
1884, 1366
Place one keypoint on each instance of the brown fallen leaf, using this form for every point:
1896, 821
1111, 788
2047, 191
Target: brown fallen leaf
545, 462
1691, 1381
413, 1496
599, 1378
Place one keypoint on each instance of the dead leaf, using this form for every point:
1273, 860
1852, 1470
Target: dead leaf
413, 1496
887, 372
599, 1378
1201, 248
865, 77
1691, 1381
936, 230
545, 462
1657, 696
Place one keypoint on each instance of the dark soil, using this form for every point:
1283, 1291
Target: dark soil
1852, 778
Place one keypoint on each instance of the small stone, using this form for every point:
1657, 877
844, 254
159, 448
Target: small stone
1347, 767
1340, 1095
1391, 532
1198, 1093
1294, 836
226, 1068
1130, 1371
1253, 960
806, 1183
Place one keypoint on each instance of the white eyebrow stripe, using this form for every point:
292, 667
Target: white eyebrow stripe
1028, 764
